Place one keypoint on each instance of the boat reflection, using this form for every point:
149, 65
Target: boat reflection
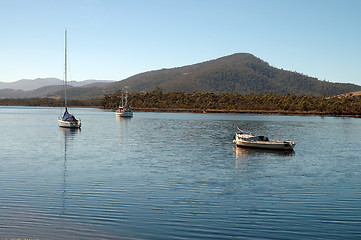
123, 122
246, 156
69, 132
69, 135
125, 119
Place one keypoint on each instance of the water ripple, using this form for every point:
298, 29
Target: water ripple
177, 176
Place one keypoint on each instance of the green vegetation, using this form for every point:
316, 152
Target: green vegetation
228, 102
157, 100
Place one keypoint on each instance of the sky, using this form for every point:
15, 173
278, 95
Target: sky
116, 39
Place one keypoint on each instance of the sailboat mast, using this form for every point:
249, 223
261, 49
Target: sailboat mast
122, 99
66, 71
126, 98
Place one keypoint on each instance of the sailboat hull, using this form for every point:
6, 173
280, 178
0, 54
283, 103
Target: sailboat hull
69, 124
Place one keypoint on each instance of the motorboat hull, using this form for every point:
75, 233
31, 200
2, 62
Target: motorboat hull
274, 145
122, 113
252, 141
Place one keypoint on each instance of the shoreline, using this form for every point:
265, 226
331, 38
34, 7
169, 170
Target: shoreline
231, 111
265, 112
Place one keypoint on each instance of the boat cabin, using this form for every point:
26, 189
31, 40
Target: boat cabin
254, 138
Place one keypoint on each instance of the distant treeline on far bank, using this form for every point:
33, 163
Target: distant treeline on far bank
211, 102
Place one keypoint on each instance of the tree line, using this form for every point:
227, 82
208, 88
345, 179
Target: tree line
50, 102
196, 101
157, 99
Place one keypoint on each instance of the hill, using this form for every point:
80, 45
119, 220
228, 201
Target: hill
85, 92
32, 84
39, 92
238, 73
51, 87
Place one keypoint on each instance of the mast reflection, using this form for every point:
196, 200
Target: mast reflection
69, 135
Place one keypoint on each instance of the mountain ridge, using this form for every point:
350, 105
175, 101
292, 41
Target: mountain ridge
241, 73
237, 73
32, 84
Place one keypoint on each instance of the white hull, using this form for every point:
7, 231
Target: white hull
251, 141
69, 124
275, 145
124, 114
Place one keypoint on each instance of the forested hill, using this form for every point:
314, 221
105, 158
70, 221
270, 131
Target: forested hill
238, 73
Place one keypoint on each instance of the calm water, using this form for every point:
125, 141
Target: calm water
177, 176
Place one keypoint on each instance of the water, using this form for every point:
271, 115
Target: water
177, 176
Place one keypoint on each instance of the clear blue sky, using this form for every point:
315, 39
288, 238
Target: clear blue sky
115, 39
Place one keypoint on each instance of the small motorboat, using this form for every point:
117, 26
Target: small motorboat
249, 140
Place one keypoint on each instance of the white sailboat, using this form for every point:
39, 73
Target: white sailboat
124, 109
67, 120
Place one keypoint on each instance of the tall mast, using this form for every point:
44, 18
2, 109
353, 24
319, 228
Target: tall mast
126, 98
122, 99
66, 71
